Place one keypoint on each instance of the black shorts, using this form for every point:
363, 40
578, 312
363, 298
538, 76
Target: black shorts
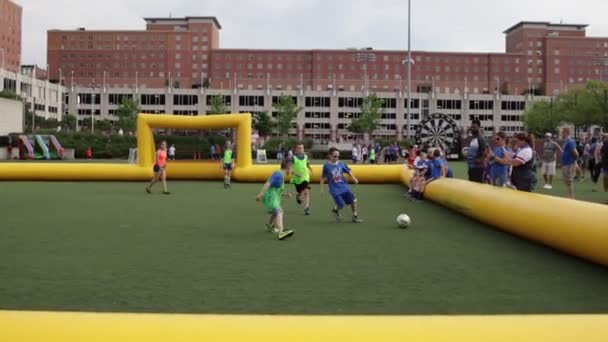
302, 186
476, 175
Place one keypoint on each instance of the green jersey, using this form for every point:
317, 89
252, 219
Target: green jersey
300, 166
372, 154
272, 197
228, 156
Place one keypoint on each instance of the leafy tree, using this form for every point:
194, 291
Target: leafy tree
127, 114
287, 110
543, 117
217, 105
262, 122
371, 114
69, 122
7, 94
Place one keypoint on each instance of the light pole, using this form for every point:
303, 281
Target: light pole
93, 108
364, 57
77, 111
409, 64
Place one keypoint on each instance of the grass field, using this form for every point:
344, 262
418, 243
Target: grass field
111, 247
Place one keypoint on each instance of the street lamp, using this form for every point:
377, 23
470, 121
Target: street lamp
93, 108
364, 57
409, 64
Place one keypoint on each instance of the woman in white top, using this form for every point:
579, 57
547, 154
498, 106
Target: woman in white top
364, 153
355, 154
523, 175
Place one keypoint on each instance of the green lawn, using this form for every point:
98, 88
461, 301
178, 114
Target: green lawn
111, 247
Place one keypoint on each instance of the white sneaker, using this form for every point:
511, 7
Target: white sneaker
549, 187
546, 187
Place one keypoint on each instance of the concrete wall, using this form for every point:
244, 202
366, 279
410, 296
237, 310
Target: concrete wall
11, 116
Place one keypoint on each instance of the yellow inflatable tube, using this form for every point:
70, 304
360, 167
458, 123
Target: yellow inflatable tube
575, 227
77, 327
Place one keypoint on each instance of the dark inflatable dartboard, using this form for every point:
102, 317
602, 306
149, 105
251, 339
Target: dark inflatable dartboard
439, 130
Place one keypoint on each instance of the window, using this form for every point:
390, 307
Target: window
415, 103
389, 103
185, 100
389, 116
251, 101
317, 115
317, 101
483, 117
515, 118
350, 102
117, 99
153, 99
481, 105
275, 100
227, 99
449, 104
513, 105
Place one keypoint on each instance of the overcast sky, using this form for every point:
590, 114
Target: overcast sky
437, 25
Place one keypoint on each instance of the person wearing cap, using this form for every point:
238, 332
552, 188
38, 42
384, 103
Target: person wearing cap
550, 149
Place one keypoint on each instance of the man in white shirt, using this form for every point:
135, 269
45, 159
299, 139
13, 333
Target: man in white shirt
172, 152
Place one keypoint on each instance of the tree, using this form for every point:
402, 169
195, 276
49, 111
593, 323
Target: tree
543, 117
287, 110
127, 114
217, 105
371, 114
69, 122
262, 122
7, 94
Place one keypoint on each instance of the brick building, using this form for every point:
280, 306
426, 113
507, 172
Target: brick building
10, 35
171, 51
540, 57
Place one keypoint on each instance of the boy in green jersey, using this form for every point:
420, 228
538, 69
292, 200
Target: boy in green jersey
271, 195
300, 177
228, 164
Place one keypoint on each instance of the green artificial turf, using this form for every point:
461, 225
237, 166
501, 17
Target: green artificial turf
111, 247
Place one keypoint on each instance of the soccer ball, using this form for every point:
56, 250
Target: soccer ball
403, 221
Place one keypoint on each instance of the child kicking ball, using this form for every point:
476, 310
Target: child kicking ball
271, 195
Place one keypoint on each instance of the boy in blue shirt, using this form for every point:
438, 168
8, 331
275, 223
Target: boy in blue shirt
333, 174
271, 195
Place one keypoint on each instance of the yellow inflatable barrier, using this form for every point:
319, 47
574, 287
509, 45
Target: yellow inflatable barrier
78, 327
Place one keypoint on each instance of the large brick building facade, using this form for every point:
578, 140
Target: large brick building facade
10, 35
540, 57
171, 51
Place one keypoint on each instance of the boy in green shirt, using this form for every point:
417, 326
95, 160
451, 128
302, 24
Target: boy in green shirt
300, 177
228, 164
271, 195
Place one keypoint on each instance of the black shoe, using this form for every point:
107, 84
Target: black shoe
307, 211
166, 193
148, 190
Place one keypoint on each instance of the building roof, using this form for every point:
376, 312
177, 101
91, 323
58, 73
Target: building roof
214, 19
545, 23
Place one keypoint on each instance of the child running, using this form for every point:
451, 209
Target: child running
301, 172
271, 195
228, 165
333, 174
160, 169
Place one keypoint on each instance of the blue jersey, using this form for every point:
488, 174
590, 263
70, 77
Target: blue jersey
450, 172
436, 168
568, 157
335, 178
497, 169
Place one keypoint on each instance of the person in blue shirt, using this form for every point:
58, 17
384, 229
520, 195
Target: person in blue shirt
499, 169
436, 167
333, 174
569, 157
